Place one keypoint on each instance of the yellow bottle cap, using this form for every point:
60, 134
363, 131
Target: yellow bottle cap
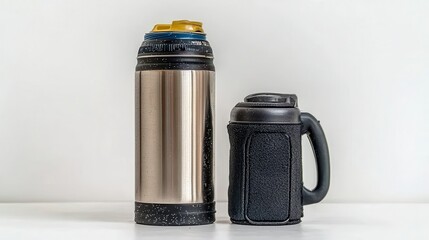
180, 26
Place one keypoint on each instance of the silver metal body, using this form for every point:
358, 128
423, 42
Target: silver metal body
174, 120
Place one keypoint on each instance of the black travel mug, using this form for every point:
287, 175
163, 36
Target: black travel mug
265, 181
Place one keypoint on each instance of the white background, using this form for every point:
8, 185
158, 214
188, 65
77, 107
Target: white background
67, 90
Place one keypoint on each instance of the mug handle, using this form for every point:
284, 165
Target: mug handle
314, 131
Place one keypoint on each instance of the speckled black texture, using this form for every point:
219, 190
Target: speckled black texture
265, 181
207, 174
191, 52
174, 214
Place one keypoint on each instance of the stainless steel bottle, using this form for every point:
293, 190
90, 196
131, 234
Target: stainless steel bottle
174, 126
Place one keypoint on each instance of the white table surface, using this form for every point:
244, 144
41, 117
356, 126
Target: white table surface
82, 221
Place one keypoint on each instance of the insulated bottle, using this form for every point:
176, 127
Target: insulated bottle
265, 181
175, 90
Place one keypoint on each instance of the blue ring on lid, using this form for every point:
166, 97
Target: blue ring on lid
174, 35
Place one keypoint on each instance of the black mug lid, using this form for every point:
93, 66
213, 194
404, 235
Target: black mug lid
267, 108
285, 100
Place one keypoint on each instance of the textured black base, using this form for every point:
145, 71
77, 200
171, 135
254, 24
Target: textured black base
174, 214
245, 222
